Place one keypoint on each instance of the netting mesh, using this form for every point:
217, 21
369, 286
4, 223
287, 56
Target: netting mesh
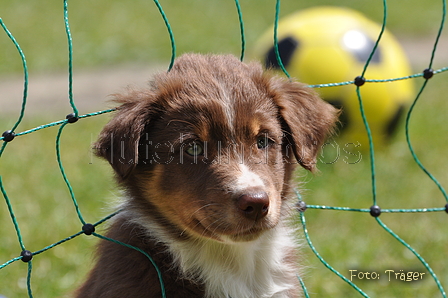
375, 211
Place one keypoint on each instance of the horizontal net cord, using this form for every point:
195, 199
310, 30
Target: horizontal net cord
411, 210
413, 76
60, 122
63, 240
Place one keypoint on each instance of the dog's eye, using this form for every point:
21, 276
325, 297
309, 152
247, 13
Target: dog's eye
263, 141
194, 149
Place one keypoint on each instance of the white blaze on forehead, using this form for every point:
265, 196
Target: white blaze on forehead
247, 179
228, 111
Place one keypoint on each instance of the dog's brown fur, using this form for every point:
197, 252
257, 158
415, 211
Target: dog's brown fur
178, 202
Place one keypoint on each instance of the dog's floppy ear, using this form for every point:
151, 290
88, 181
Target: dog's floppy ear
307, 120
119, 140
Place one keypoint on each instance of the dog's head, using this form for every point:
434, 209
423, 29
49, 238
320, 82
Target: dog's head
212, 144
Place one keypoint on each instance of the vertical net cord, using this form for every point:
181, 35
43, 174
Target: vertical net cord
361, 106
439, 285
308, 240
371, 146
70, 59
64, 175
243, 38
28, 279
380, 35
25, 75
411, 148
302, 284
25, 81
2, 148
277, 53
170, 32
19, 236
11, 213
408, 116
439, 33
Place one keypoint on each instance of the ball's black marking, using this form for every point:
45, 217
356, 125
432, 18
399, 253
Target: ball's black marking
286, 49
392, 124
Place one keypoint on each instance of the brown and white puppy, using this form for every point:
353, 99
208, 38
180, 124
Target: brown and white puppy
205, 157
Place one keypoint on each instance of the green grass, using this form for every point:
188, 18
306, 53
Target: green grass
112, 33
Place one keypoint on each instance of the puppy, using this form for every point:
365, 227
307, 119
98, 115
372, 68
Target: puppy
205, 157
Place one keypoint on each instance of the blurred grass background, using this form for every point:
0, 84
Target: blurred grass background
117, 33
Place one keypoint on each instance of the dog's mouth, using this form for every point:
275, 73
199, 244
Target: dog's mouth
224, 232
246, 236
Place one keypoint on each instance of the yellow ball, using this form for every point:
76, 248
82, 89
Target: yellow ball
329, 45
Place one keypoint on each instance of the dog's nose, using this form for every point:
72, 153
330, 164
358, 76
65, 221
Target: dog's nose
254, 205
